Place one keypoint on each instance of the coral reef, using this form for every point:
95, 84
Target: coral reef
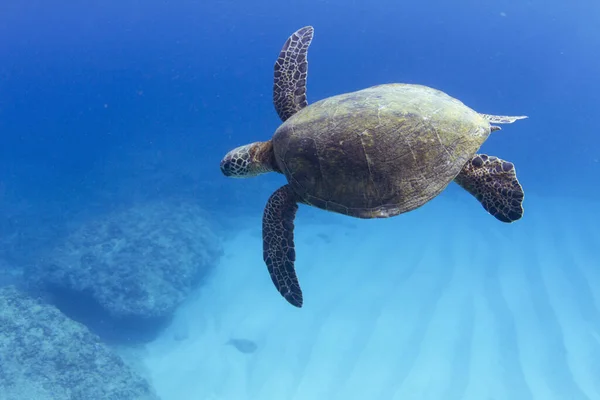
45, 355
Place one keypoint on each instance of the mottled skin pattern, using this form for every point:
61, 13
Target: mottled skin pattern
278, 243
377, 152
250, 160
290, 72
494, 183
372, 153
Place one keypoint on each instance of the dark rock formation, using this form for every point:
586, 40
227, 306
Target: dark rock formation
130, 268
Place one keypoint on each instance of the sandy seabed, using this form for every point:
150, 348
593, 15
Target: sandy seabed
441, 303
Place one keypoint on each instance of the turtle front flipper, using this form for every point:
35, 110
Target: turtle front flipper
291, 68
494, 183
278, 243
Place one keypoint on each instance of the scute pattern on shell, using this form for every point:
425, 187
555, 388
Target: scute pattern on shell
379, 151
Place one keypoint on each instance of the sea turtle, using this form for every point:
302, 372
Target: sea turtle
373, 153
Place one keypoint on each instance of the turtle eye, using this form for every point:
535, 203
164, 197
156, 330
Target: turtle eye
226, 166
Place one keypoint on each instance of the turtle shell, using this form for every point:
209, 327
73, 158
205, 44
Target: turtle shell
377, 152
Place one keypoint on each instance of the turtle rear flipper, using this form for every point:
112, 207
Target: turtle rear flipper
494, 183
503, 119
278, 243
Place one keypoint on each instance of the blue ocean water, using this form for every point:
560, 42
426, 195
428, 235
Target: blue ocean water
106, 107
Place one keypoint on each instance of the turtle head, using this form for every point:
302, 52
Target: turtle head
250, 160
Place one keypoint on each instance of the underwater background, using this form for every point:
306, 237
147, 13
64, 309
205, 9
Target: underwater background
131, 268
